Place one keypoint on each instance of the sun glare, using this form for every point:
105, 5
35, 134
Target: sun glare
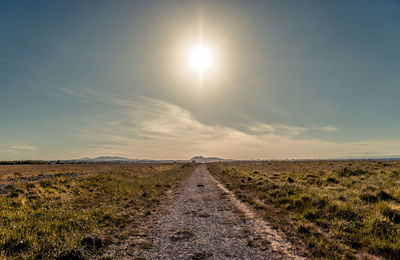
200, 58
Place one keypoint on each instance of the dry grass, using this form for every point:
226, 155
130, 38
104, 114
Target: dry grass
12, 171
63, 215
339, 209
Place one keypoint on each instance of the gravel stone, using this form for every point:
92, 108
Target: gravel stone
203, 226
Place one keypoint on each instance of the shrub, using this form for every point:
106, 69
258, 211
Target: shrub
392, 214
346, 172
384, 195
332, 180
369, 198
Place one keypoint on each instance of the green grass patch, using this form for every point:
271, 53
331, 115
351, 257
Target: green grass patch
52, 217
338, 209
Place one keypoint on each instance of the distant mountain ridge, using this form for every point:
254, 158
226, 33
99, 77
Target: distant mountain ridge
105, 159
117, 159
201, 159
197, 159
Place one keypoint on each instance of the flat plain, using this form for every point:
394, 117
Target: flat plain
233, 210
77, 211
332, 209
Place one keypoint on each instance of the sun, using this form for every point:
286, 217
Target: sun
200, 58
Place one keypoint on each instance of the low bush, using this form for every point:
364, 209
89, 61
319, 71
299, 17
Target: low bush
336, 211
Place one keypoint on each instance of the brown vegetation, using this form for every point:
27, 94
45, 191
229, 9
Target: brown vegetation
74, 215
337, 208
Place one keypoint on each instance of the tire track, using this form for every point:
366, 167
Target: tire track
206, 221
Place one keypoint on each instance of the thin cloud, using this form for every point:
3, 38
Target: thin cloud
151, 128
21, 148
283, 129
71, 92
328, 128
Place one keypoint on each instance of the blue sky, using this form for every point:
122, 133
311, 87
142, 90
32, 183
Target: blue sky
292, 79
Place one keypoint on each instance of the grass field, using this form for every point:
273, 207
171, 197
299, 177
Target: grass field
336, 209
65, 215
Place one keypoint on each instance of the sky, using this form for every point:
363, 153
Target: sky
291, 79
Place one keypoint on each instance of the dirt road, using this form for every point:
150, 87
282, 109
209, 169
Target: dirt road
207, 222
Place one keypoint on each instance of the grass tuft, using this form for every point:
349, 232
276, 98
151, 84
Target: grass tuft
68, 217
337, 209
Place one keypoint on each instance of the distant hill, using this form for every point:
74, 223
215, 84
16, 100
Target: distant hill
201, 159
198, 159
105, 159
116, 159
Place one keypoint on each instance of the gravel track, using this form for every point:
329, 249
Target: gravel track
206, 221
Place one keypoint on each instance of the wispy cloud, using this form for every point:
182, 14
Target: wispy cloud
21, 148
151, 128
283, 129
71, 92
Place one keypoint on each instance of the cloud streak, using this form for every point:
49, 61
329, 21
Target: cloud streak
282, 129
21, 148
149, 128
